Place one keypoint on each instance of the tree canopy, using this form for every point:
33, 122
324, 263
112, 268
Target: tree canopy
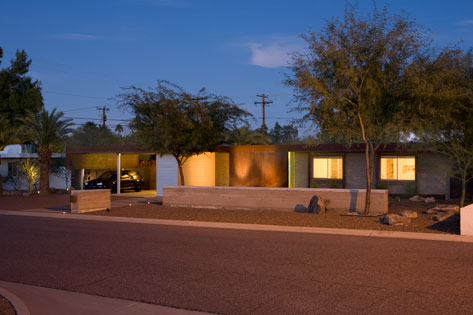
354, 80
172, 121
91, 134
48, 131
444, 103
19, 93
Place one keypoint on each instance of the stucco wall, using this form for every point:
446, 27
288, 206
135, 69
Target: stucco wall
199, 170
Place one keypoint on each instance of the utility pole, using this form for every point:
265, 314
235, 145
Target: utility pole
263, 102
104, 109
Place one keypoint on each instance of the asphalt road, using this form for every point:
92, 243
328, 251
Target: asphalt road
239, 272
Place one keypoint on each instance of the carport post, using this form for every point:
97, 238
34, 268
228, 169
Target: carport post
118, 172
82, 179
157, 158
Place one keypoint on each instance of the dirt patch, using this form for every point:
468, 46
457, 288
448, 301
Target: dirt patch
423, 223
20, 202
5, 307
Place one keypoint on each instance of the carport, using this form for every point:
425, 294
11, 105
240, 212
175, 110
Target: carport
87, 162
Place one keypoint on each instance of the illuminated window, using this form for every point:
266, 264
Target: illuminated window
398, 168
328, 167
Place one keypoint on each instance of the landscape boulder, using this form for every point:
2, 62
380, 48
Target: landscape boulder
317, 205
416, 198
429, 199
300, 208
408, 214
394, 219
442, 216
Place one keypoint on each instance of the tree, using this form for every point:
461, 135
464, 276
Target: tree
444, 104
18, 92
48, 131
119, 129
285, 134
91, 134
353, 81
172, 121
58, 167
245, 136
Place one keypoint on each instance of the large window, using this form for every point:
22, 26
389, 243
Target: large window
398, 168
328, 167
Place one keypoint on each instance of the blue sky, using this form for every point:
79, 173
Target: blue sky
83, 52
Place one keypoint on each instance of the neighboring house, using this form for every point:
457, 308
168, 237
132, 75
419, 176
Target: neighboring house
400, 170
9, 160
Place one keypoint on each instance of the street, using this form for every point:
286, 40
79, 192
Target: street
237, 271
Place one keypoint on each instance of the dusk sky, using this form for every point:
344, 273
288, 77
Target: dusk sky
83, 52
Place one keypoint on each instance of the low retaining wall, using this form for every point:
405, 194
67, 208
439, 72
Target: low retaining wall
273, 198
466, 220
90, 200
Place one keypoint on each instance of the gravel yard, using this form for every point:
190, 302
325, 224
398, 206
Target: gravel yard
140, 209
423, 223
5, 307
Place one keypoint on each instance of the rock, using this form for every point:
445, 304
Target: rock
394, 219
300, 208
316, 205
430, 211
408, 213
429, 199
416, 198
446, 208
351, 214
442, 216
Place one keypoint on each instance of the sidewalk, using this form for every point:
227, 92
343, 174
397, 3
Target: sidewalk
32, 300
242, 226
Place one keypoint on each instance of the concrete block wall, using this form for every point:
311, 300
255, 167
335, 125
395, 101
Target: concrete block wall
432, 175
83, 201
265, 198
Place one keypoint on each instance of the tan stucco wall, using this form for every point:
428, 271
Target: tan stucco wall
199, 170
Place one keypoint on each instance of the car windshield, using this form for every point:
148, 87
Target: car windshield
107, 175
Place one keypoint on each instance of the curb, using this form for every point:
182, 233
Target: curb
15, 301
252, 227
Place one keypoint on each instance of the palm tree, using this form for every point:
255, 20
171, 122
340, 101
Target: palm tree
119, 129
47, 131
8, 136
244, 135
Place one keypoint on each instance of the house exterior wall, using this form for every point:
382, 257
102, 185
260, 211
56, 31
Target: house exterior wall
19, 183
301, 169
166, 172
258, 168
199, 170
354, 170
432, 175
222, 169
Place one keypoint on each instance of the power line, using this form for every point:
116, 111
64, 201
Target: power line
84, 118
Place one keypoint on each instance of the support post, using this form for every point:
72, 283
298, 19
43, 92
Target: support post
118, 172
82, 174
157, 170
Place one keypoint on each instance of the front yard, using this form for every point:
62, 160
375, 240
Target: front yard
140, 209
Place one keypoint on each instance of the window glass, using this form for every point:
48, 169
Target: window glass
406, 168
398, 168
328, 168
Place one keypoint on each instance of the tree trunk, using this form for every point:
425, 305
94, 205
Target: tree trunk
462, 200
368, 178
179, 171
1, 185
44, 178
44, 157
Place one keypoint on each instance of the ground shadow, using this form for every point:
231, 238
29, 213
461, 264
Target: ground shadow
450, 225
59, 208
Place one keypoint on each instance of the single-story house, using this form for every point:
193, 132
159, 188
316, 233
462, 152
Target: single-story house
401, 170
10, 157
